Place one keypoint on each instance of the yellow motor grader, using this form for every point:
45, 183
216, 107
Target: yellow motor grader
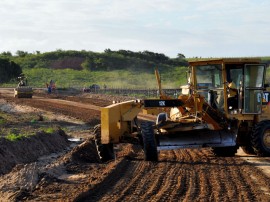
23, 90
210, 112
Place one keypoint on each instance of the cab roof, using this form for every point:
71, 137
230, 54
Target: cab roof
225, 60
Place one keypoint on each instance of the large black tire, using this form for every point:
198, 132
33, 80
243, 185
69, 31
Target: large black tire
149, 142
225, 151
260, 138
105, 151
247, 148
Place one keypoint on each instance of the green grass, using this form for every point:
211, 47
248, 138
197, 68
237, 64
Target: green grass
2, 121
66, 78
69, 78
49, 130
14, 137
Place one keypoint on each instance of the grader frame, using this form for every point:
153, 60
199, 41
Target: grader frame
200, 117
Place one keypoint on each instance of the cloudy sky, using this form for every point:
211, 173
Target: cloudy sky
202, 28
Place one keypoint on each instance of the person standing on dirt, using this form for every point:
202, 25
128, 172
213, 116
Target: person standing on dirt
49, 88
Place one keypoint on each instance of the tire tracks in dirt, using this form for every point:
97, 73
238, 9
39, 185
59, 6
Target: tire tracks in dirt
195, 178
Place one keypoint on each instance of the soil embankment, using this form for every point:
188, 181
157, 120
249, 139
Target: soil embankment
27, 150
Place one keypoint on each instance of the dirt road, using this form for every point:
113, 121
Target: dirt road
180, 175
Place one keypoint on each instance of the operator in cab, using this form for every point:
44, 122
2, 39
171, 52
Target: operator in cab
232, 95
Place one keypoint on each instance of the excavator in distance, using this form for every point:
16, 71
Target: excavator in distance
206, 114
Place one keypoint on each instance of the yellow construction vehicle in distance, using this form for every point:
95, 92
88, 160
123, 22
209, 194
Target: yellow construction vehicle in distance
23, 90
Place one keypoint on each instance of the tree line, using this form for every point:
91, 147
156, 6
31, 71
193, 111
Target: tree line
8, 70
94, 61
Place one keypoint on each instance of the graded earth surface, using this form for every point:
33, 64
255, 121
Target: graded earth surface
63, 164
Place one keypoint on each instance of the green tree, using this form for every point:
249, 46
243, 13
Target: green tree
21, 53
7, 54
8, 70
181, 56
87, 64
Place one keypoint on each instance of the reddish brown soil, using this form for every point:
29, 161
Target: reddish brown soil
18, 152
86, 115
71, 63
180, 175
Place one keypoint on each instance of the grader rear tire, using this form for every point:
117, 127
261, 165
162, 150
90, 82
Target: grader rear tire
105, 151
149, 142
225, 151
260, 138
248, 149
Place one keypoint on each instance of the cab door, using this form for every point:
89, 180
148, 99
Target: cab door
253, 88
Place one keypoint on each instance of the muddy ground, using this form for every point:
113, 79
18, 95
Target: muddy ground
72, 172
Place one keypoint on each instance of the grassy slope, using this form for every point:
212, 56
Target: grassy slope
38, 77
171, 78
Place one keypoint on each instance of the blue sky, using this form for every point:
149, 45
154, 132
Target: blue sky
195, 28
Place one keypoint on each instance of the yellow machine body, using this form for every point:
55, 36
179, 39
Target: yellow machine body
23, 92
204, 115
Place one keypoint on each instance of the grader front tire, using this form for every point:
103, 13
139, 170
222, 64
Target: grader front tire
105, 151
248, 149
149, 142
225, 151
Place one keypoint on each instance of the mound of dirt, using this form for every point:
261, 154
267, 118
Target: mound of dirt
67, 62
83, 153
30, 149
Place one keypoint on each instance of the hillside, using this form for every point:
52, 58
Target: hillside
108, 60
113, 68
117, 69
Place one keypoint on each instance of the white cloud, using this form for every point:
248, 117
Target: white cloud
194, 28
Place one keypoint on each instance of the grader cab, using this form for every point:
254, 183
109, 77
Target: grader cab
210, 112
